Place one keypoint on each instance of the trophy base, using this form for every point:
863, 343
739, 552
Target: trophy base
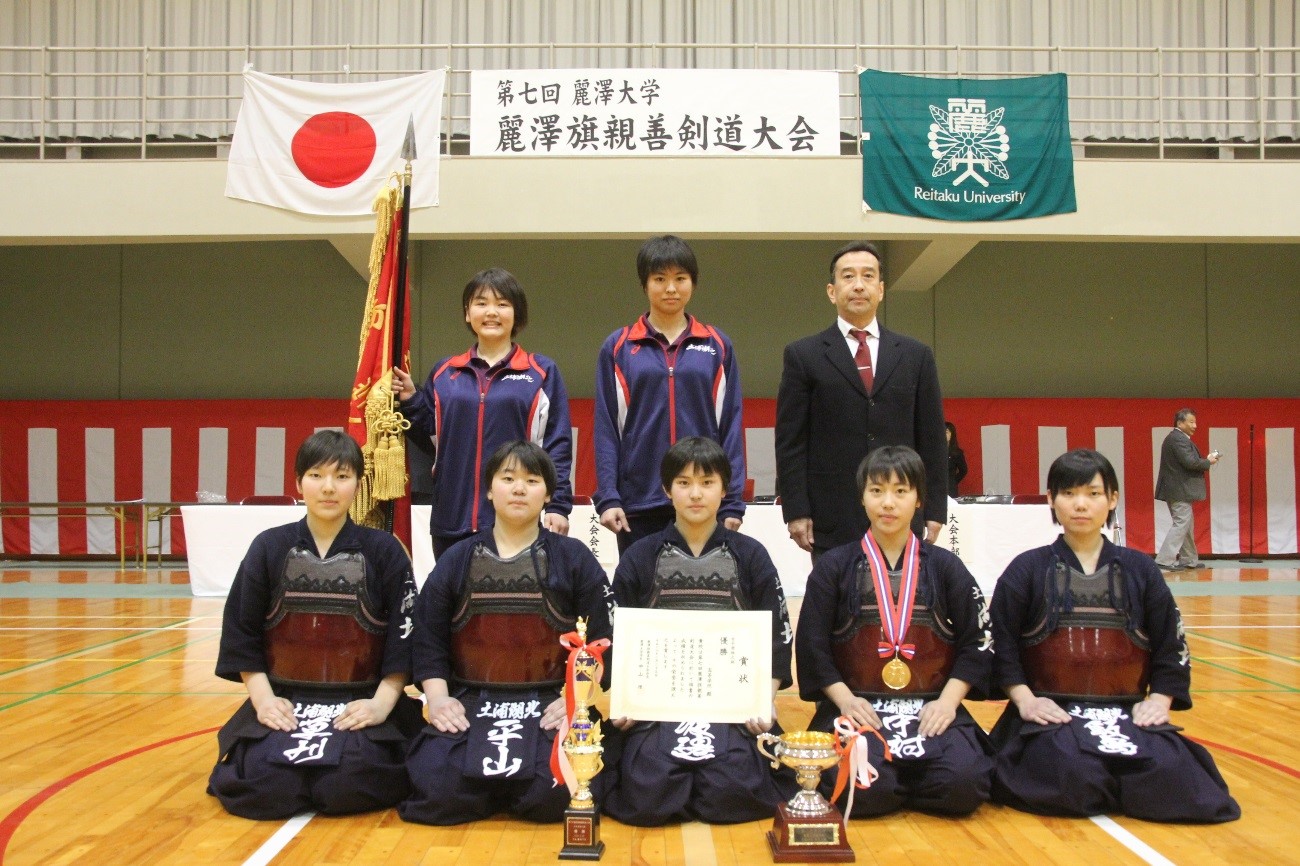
800, 839
582, 835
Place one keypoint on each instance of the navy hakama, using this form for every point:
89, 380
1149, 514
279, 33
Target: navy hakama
1100, 762
273, 775
838, 636
490, 628
670, 771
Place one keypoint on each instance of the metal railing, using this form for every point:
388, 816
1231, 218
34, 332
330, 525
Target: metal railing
154, 101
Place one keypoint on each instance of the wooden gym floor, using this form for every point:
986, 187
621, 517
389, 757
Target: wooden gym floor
109, 708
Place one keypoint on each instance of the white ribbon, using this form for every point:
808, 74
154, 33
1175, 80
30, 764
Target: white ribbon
861, 773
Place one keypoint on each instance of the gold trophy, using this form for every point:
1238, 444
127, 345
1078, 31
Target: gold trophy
582, 745
808, 829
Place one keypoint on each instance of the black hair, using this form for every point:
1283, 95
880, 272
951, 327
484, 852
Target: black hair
528, 455
701, 452
326, 448
1077, 468
953, 447
890, 462
857, 247
1181, 415
662, 252
503, 284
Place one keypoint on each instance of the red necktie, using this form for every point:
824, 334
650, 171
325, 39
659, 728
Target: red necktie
863, 358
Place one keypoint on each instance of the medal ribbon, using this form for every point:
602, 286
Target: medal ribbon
851, 745
895, 616
561, 770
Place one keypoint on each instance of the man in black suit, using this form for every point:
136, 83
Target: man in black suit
827, 419
1180, 483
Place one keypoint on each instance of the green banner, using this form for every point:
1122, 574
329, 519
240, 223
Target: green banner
966, 149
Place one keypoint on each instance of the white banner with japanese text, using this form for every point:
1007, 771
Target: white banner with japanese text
654, 112
691, 665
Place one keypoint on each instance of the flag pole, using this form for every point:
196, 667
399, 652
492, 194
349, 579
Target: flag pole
398, 352
404, 230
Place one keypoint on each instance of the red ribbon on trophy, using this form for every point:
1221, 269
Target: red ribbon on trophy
851, 745
560, 768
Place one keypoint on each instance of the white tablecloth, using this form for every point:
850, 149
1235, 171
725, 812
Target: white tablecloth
218, 536
761, 521
986, 537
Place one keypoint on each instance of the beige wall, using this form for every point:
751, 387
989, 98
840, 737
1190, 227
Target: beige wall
280, 319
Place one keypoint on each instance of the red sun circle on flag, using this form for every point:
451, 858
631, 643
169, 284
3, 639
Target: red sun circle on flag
334, 148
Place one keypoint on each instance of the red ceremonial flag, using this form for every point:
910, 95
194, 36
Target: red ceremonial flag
372, 419
324, 148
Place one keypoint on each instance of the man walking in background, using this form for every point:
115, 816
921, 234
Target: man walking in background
1180, 483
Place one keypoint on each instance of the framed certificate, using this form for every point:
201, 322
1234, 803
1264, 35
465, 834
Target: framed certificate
691, 665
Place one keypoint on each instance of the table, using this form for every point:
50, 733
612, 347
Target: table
985, 536
133, 519
762, 521
988, 536
218, 536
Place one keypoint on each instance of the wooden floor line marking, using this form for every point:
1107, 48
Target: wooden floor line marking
1131, 842
1231, 670
1240, 627
138, 629
76, 652
113, 670
697, 845
281, 838
14, 819
1249, 756
1242, 646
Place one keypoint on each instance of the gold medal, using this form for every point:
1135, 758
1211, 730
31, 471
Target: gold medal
896, 674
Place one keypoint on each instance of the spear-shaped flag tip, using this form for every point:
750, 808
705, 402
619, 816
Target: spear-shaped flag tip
408, 144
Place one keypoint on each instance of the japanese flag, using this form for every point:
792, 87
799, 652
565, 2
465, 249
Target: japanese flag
326, 148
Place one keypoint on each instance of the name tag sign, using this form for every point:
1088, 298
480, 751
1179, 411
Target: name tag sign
692, 665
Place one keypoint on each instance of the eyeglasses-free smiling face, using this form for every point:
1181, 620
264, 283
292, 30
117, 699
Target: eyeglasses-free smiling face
490, 316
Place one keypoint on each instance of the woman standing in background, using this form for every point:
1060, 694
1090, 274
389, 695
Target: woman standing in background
477, 401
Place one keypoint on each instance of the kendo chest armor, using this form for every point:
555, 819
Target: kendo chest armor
507, 626
855, 645
320, 629
1090, 654
685, 582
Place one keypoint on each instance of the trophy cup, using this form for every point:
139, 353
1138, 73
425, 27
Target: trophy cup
582, 745
808, 829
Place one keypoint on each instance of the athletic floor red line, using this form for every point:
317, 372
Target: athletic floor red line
1250, 756
9, 826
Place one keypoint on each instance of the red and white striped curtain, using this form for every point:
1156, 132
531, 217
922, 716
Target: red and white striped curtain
168, 451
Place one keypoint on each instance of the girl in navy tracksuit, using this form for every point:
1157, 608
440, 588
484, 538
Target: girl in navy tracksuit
663, 378
476, 401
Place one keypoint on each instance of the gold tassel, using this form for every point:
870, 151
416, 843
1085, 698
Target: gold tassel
385, 448
390, 467
385, 208
384, 475
362, 502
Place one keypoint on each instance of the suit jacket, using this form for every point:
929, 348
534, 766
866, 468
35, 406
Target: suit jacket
1182, 469
826, 423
